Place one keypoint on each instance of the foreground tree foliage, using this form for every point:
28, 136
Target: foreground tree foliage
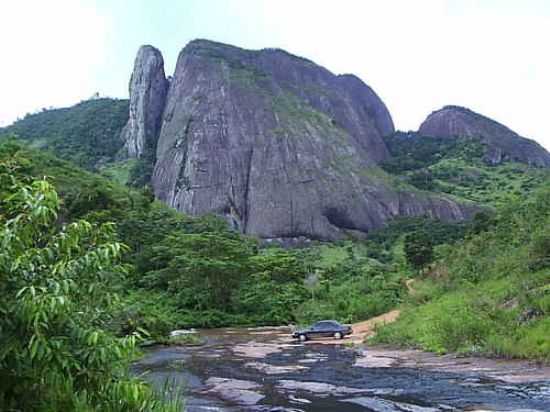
56, 301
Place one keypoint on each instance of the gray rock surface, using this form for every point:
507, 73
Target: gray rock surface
502, 144
280, 146
148, 88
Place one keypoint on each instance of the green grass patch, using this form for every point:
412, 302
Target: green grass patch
119, 171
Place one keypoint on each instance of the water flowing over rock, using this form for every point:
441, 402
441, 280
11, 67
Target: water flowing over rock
148, 88
502, 144
279, 146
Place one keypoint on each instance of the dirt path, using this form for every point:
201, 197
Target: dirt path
366, 329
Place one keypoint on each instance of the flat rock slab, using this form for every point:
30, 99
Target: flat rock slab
511, 371
244, 371
384, 405
274, 369
318, 388
515, 410
255, 349
375, 360
235, 390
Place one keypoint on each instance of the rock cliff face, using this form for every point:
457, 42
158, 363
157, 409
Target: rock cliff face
148, 88
279, 146
501, 143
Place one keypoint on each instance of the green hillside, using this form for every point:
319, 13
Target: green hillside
86, 134
488, 294
103, 267
455, 166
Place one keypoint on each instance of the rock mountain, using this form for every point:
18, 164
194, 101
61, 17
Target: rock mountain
148, 88
501, 143
279, 146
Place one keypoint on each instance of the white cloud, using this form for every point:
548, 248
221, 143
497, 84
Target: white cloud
50, 50
421, 55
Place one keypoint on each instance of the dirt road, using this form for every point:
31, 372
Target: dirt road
361, 330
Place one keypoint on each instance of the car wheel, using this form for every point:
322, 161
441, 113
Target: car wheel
303, 338
338, 335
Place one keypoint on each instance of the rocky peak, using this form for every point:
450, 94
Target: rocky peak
279, 146
370, 101
502, 144
148, 88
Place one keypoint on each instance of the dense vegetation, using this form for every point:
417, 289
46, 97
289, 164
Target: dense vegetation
57, 300
209, 275
489, 293
86, 134
92, 267
456, 167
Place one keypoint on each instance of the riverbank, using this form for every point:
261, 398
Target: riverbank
262, 369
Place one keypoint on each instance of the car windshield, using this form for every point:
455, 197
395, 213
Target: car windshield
325, 325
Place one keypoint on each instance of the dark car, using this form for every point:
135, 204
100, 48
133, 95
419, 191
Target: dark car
323, 328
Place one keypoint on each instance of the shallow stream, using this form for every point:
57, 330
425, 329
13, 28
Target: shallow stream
263, 370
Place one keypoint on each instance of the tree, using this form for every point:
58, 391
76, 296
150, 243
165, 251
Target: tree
418, 249
481, 222
55, 303
203, 269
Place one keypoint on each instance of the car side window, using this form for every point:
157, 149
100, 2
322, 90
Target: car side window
318, 326
323, 326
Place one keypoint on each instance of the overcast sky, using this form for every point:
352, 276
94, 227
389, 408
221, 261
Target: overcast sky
492, 56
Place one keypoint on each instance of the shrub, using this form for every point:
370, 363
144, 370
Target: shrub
55, 301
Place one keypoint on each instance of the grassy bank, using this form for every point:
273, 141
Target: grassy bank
488, 294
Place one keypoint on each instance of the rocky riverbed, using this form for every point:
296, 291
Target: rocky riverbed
261, 369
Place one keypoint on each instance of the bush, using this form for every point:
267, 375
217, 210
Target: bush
56, 300
539, 252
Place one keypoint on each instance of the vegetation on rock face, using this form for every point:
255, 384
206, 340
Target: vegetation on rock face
456, 167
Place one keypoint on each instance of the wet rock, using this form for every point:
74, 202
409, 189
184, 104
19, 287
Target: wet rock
235, 390
274, 369
384, 405
370, 360
293, 398
490, 369
318, 388
255, 349
182, 332
506, 410
313, 357
418, 379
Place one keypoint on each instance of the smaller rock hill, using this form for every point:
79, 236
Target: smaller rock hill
502, 144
